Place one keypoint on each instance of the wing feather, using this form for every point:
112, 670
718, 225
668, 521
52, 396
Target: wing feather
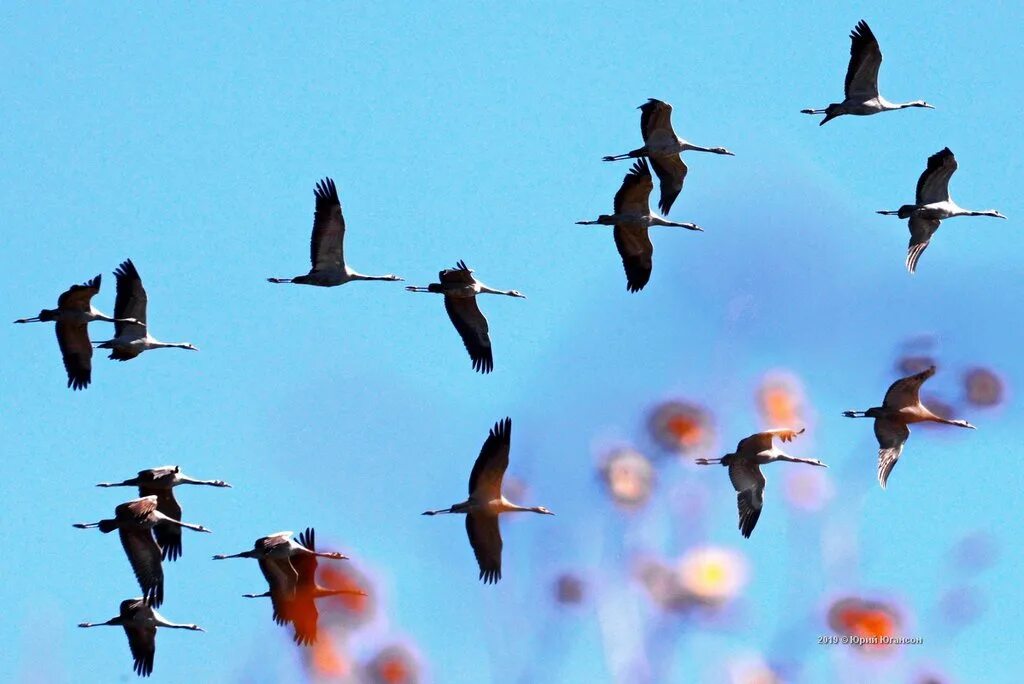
671, 172
891, 438
865, 59
485, 538
327, 244
472, 327
490, 466
637, 252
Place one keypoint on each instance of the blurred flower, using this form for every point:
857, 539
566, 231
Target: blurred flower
349, 610
751, 669
916, 354
569, 589
855, 617
961, 606
713, 575
629, 477
974, 551
680, 426
982, 387
910, 364
395, 664
807, 489
663, 586
780, 400
327, 658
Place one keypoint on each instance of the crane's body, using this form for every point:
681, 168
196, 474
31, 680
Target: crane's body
662, 147
460, 289
745, 471
73, 314
327, 244
134, 520
132, 339
932, 204
900, 408
861, 90
140, 622
160, 482
486, 502
631, 220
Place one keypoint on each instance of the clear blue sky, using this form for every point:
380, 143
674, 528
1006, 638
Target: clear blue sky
190, 141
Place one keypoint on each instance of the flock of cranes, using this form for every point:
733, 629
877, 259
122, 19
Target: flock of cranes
150, 527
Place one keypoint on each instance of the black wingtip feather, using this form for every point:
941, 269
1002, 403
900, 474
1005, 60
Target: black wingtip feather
326, 192
126, 269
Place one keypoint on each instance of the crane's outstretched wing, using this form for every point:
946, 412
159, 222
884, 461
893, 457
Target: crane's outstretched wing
921, 231
748, 482
905, 391
891, 437
76, 350
865, 58
281, 579
472, 327
303, 610
144, 556
634, 194
762, 441
79, 297
168, 536
490, 466
671, 174
142, 643
656, 122
485, 538
933, 185
637, 252
327, 245
130, 302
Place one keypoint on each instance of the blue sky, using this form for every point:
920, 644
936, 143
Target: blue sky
190, 141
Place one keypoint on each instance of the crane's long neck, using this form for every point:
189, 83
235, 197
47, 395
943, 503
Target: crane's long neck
179, 523
947, 421
983, 212
157, 344
659, 221
697, 148
320, 592
794, 459
164, 622
360, 276
184, 479
484, 289
509, 507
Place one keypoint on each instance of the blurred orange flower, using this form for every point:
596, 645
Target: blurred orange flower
680, 426
780, 400
629, 477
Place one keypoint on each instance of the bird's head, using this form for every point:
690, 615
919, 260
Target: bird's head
921, 103
541, 509
516, 293
816, 462
722, 150
335, 555
190, 347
